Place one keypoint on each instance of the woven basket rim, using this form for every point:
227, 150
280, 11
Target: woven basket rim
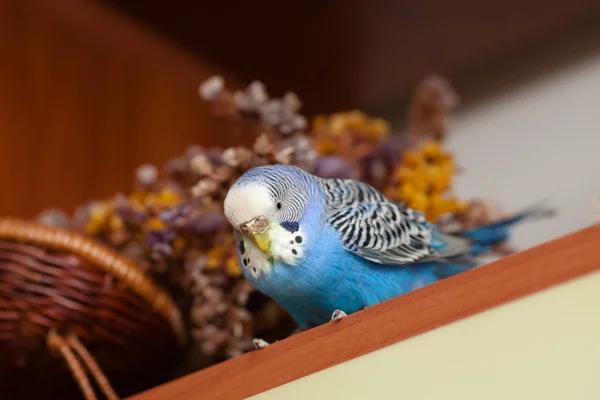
100, 256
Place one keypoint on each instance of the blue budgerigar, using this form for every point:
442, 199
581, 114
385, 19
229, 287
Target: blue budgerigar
317, 246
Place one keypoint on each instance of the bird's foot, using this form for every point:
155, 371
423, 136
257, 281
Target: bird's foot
338, 315
259, 343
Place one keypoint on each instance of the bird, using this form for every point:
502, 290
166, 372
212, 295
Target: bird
325, 248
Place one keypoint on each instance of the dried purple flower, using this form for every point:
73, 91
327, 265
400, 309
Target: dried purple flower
193, 150
264, 145
241, 101
215, 156
82, 214
433, 101
334, 167
257, 94
146, 175
377, 168
211, 88
390, 150
134, 251
222, 174
173, 215
250, 100
159, 241
305, 155
128, 214
285, 155
272, 112
205, 187
254, 105
282, 114
201, 164
54, 217
237, 157
204, 224
291, 102
177, 169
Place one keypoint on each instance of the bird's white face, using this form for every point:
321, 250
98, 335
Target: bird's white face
245, 203
256, 215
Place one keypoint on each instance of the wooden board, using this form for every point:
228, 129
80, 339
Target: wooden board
86, 96
393, 321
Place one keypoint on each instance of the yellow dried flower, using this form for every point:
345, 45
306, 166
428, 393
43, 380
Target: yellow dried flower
437, 204
167, 197
327, 147
412, 160
179, 243
224, 256
115, 223
419, 201
137, 198
215, 256
232, 267
155, 223
97, 219
404, 174
350, 134
407, 191
422, 178
431, 150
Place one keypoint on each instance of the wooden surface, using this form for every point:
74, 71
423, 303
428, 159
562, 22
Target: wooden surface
342, 54
390, 322
85, 97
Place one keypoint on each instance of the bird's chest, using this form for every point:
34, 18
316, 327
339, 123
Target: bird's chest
321, 281
330, 278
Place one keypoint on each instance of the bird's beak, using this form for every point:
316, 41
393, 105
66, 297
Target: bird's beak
258, 230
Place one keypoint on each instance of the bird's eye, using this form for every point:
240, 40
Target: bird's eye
279, 206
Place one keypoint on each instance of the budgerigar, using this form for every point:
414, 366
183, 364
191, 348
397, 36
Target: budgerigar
317, 245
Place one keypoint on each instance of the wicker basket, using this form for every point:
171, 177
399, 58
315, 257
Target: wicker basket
71, 309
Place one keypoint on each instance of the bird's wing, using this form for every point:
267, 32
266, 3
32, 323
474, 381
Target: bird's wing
374, 228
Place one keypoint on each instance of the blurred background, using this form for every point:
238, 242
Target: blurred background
90, 89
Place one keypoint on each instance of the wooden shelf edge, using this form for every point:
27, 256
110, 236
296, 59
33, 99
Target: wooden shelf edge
422, 310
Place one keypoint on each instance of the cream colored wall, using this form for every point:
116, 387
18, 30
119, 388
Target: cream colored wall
544, 346
530, 131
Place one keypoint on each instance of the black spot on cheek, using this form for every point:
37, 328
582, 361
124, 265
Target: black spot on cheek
291, 226
294, 252
241, 247
245, 262
298, 239
254, 269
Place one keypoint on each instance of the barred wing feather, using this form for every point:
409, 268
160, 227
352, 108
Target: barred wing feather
379, 230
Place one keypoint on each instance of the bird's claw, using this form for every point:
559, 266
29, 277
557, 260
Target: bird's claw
338, 315
259, 343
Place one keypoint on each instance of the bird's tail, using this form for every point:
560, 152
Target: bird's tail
485, 237
462, 247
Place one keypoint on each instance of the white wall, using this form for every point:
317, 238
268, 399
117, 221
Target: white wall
537, 139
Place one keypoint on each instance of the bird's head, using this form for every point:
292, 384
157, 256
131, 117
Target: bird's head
266, 205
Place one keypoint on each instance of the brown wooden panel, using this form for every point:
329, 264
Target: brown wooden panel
341, 54
390, 322
85, 97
